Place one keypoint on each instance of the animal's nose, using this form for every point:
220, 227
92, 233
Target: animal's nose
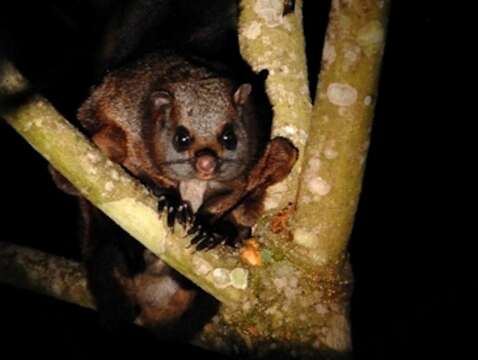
206, 162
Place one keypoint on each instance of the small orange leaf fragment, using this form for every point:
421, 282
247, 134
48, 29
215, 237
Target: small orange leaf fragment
250, 253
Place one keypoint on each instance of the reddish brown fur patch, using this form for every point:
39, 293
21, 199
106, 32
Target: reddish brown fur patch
112, 141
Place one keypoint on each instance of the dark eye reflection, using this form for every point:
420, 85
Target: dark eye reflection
228, 138
182, 139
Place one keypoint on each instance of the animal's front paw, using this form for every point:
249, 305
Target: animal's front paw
175, 207
210, 232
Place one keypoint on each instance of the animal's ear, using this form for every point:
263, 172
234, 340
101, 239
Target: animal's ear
161, 101
242, 93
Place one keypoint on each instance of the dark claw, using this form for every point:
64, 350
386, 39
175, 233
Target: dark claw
211, 241
181, 215
203, 245
198, 238
203, 241
171, 216
185, 214
161, 203
211, 232
176, 208
194, 228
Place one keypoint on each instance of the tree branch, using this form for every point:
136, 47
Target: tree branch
338, 142
47, 274
269, 40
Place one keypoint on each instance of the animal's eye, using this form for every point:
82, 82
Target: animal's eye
228, 138
182, 139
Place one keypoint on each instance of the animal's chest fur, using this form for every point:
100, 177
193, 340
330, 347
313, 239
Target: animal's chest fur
199, 191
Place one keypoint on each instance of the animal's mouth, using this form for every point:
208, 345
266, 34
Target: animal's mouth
202, 176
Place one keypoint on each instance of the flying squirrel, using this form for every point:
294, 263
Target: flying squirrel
195, 136
200, 140
193, 123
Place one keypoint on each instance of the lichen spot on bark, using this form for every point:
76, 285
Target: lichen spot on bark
201, 266
221, 278
329, 54
114, 175
109, 186
296, 135
253, 31
93, 158
351, 56
271, 202
319, 186
314, 165
371, 36
237, 278
270, 11
330, 151
306, 238
367, 100
341, 94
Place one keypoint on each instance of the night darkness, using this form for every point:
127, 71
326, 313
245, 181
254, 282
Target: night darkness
407, 288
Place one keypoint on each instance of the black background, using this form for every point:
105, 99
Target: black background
411, 276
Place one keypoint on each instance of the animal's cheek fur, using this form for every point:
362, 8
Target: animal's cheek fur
230, 171
180, 171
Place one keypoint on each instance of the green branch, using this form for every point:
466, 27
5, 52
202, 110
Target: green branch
339, 138
273, 42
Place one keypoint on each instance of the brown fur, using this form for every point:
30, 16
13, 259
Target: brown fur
126, 116
117, 117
